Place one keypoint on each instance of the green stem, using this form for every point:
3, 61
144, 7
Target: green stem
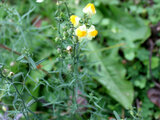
61, 47
75, 72
23, 103
67, 9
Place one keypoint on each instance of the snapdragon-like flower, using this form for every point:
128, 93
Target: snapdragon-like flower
81, 32
39, 1
74, 20
89, 9
91, 32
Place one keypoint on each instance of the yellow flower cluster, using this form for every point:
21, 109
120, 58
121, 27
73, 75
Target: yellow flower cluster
81, 30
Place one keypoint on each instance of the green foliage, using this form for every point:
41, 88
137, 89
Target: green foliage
111, 75
40, 79
127, 29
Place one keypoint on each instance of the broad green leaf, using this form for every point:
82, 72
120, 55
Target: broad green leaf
143, 54
110, 2
158, 42
140, 82
154, 64
112, 75
130, 28
132, 31
129, 54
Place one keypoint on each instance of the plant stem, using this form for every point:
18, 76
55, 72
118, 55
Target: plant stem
9, 49
68, 13
75, 72
61, 45
23, 103
150, 63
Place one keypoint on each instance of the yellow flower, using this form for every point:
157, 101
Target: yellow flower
91, 32
81, 32
74, 20
89, 9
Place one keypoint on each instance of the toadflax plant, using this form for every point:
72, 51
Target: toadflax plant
73, 34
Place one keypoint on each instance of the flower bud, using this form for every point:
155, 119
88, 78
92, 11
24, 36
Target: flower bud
4, 108
12, 63
10, 74
64, 37
69, 66
5, 72
69, 48
57, 39
59, 3
65, 34
58, 50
